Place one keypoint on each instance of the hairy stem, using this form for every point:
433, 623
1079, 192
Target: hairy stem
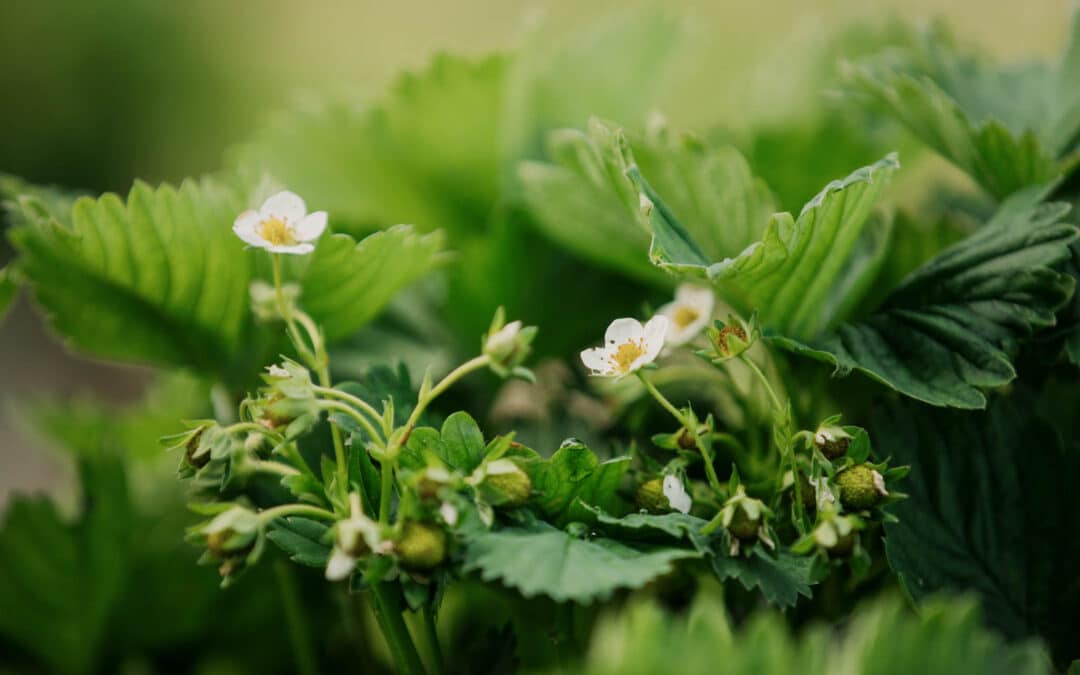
386, 601
299, 636
706, 456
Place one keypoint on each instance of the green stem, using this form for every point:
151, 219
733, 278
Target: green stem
356, 402
351, 412
765, 381
274, 467
254, 428
267, 515
706, 456
286, 313
432, 635
302, 646
385, 490
387, 604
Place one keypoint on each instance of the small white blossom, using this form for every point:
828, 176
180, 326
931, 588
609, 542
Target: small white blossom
689, 313
823, 496
356, 536
676, 494
502, 340
281, 225
627, 347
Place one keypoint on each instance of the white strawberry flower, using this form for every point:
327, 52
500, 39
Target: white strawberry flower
627, 347
281, 225
356, 537
689, 313
676, 494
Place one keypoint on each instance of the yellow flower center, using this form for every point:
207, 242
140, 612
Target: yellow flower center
275, 231
684, 316
627, 353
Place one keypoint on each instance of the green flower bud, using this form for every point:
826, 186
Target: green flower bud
650, 496
686, 440
833, 442
422, 546
732, 338
861, 487
505, 484
507, 344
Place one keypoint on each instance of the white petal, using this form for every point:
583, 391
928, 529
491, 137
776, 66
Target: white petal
698, 297
879, 484
676, 494
246, 226
655, 330
623, 330
299, 249
285, 205
311, 226
596, 360
340, 565
449, 513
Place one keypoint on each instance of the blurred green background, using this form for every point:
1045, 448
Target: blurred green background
96, 94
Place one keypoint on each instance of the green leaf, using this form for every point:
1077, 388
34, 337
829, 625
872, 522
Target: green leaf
575, 476
652, 527
348, 282
881, 637
159, 278
990, 511
946, 333
301, 539
1008, 127
541, 560
8, 289
66, 579
426, 154
790, 276
782, 577
459, 445
584, 200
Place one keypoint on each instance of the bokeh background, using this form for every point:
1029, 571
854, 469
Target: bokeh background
97, 93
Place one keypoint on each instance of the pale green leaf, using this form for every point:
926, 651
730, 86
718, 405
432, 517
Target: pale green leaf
347, 282
583, 199
1007, 126
160, 278
946, 333
427, 153
990, 511
791, 275
540, 560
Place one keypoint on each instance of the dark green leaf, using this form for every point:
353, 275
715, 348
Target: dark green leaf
946, 333
541, 560
462, 443
990, 510
782, 577
301, 539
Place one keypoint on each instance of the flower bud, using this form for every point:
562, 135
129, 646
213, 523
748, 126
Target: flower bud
832, 441
422, 546
743, 526
430, 481
861, 487
507, 344
732, 338
505, 484
743, 516
686, 440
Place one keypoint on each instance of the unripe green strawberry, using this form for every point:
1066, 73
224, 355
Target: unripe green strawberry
861, 487
422, 546
833, 442
505, 484
742, 526
650, 496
